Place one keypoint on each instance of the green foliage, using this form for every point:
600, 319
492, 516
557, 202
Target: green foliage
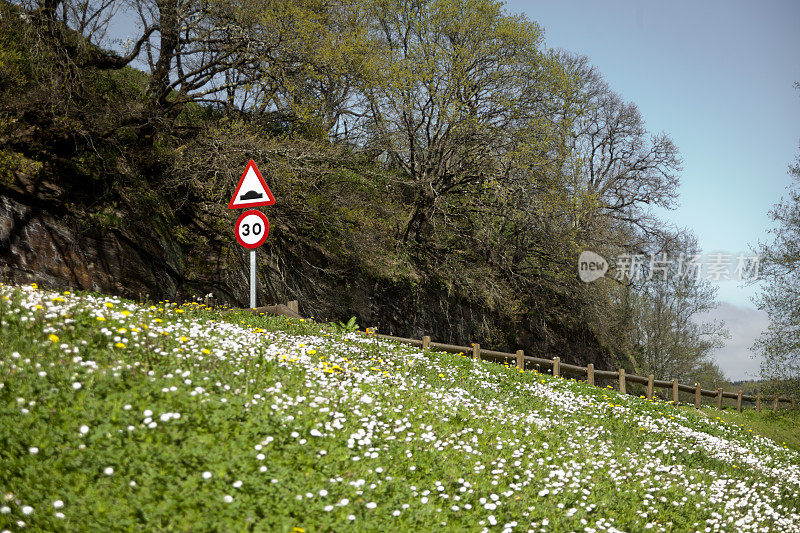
350, 327
16, 66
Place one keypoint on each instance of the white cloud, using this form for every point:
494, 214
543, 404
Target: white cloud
745, 323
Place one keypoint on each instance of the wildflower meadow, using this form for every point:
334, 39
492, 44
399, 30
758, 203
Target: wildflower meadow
117, 416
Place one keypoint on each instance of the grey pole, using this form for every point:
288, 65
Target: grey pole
252, 279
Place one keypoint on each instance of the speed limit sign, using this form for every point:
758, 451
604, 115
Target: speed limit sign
252, 229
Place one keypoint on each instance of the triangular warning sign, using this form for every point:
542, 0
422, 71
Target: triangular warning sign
252, 190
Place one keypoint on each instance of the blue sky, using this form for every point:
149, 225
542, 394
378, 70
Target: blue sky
718, 77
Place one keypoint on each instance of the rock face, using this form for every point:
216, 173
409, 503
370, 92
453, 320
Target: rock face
37, 245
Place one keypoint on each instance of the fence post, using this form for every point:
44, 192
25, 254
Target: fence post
758, 401
675, 391
426, 341
719, 399
650, 387
556, 366
294, 306
775, 403
521, 359
476, 351
697, 396
590, 374
739, 401
622, 381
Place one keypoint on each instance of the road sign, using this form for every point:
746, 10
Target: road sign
252, 229
252, 190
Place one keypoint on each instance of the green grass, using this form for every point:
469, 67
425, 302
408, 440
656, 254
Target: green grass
782, 426
118, 417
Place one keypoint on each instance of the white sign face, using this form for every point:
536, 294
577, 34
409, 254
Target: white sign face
252, 229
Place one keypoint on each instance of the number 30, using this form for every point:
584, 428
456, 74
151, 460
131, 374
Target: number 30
256, 229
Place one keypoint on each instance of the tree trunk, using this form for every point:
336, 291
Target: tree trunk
168, 29
418, 226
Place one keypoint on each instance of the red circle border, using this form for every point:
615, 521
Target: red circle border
263, 217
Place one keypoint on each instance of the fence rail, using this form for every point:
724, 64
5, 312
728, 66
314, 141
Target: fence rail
558, 368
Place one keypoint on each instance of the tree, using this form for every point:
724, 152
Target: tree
259, 55
454, 87
669, 340
615, 162
78, 28
779, 268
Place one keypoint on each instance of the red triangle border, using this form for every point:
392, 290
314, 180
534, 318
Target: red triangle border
270, 197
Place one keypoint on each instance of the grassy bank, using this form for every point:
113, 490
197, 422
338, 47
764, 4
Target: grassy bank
115, 416
782, 426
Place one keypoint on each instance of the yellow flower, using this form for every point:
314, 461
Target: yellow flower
206, 351
179, 310
122, 330
312, 352
441, 375
109, 305
53, 338
119, 345
184, 339
157, 320
101, 318
126, 313
298, 530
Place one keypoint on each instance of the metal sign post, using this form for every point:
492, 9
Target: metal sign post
252, 279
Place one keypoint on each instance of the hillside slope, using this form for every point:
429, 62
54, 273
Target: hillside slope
117, 416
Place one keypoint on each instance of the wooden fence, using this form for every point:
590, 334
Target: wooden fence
592, 376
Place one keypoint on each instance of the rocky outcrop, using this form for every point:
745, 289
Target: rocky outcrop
37, 245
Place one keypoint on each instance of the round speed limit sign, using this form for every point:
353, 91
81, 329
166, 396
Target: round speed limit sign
252, 229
